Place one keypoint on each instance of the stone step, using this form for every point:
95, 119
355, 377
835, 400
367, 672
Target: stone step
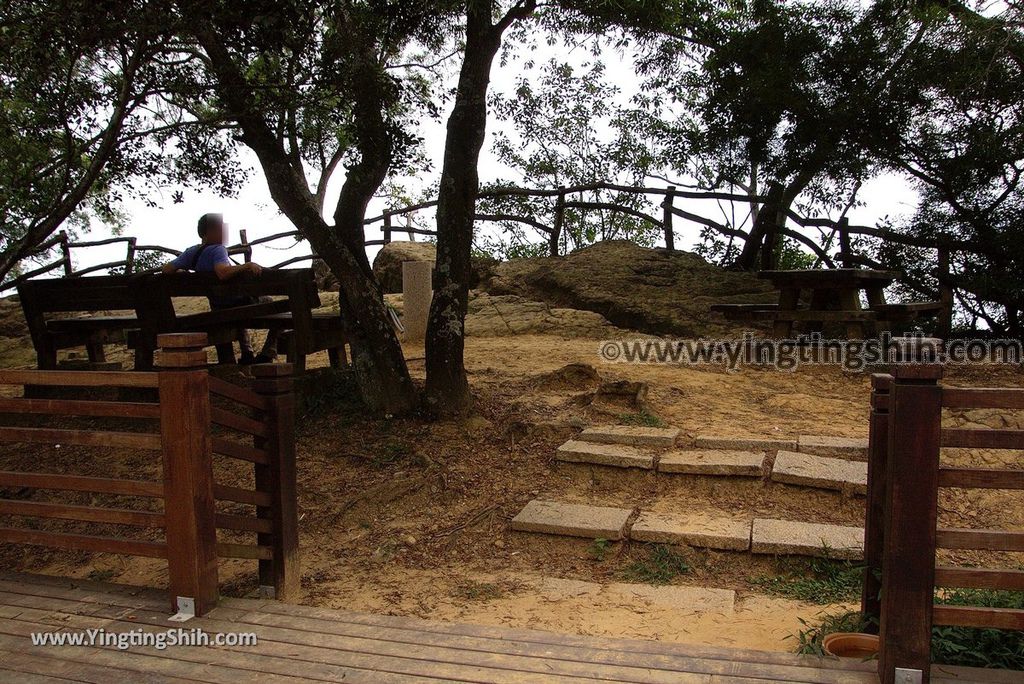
820, 471
851, 448
574, 520
744, 443
807, 539
633, 435
713, 462
618, 455
698, 530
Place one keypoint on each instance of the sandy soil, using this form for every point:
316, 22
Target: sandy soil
407, 516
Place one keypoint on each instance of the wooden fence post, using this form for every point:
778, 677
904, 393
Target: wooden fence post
556, 227
129, 259
274, 381
666, 219
65, 250
878, 449
945, 321
844, 243
243, 237
387, 228
908, 546
188, 470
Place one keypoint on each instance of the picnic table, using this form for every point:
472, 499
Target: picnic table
136, 309
833, 296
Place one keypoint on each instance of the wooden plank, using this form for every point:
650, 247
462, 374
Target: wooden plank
238, 422
237, 393
225, 550
78, 378
983, 540
243, 452
81, 483
63, 670
96, 438
62, 407
83, 542
979, 578
115, 516
239, 495
981, 478
968, 616
874, 514
983, 439
377, 652
243, 523
667, 656
994, 397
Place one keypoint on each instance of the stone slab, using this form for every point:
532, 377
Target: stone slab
744, 443
617, 455
713, 462
807, 539
679, 598
851, 448
574, 520
633, 435
820, 471
693, 530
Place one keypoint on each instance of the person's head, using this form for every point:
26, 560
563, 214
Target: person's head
211, 229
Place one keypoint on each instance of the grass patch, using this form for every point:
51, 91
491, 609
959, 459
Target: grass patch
599, 549
642, 419
963, 646
660, 566
816, 580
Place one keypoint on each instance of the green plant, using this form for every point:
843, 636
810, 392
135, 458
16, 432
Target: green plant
660, 566
642, 418
810, 640
599, 549
817, 580
963, 646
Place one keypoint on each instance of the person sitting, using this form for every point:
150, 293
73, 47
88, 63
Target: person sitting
211, 256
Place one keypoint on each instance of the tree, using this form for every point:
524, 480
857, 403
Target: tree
447, 389
85, 118
308, 82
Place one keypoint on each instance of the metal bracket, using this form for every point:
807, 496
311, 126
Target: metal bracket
904, 675
186, 609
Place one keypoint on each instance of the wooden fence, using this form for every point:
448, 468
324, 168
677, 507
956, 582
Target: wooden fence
253, 426
901, 532
564, 198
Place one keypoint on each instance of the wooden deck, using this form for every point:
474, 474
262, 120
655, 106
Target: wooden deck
301, 643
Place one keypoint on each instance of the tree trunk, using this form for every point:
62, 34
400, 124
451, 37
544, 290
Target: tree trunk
381, 372
447, 389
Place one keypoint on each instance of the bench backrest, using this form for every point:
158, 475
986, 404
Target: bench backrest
62, 295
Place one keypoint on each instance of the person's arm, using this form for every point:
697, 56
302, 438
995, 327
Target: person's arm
176, 264
226, 270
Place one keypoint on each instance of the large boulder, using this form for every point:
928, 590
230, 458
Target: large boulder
648, 290
387, 266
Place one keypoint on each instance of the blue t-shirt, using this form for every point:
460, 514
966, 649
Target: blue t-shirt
210, 257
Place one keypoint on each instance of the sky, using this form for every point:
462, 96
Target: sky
173, 225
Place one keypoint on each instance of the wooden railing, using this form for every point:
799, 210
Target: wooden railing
562, 199
196, 419
901, 532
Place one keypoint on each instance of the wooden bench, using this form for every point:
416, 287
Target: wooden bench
151, 299
42, 299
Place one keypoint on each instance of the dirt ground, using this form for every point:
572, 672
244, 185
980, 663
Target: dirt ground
410, 517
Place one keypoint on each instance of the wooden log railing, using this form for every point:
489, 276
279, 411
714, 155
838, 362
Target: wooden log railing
901, 530
196, 420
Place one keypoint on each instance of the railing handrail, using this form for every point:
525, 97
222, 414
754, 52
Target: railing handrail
244, 247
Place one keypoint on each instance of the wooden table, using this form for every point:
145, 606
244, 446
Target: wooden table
834, 296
